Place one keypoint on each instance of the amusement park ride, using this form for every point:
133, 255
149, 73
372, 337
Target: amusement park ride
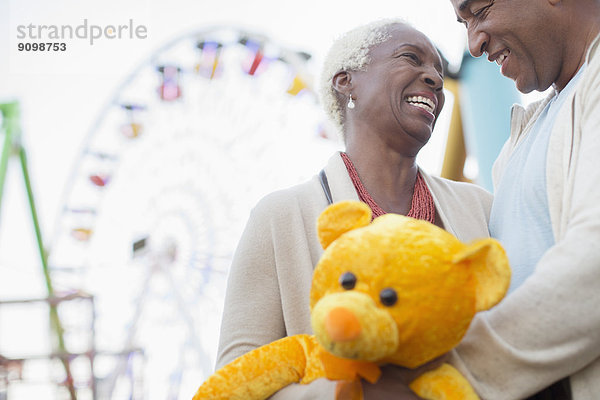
136, 266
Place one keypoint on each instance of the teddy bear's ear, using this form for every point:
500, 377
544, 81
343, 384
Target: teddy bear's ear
340, 218
489, 263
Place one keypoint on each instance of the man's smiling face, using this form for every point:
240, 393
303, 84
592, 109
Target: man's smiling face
516, 35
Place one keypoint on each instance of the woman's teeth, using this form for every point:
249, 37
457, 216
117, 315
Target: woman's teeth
422, 102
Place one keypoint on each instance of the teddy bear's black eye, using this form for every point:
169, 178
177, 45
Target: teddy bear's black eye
388, 297
348, 280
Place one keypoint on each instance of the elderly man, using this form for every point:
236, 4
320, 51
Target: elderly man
545, 336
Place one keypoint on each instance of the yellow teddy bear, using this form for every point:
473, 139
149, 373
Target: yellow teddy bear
397, 290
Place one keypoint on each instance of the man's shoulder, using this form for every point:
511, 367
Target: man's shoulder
590, 81
593, 53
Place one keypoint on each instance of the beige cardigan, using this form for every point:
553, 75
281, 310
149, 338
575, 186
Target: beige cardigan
269, 282
549, 328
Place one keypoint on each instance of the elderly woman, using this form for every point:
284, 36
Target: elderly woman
383, 85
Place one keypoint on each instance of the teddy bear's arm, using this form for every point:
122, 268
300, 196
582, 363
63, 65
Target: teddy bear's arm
265, 370
444, 382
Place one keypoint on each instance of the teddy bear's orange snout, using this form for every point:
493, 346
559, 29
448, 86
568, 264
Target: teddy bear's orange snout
342, 325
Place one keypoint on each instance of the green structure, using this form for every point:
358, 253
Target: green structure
12, 146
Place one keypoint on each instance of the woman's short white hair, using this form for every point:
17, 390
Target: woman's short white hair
350, 52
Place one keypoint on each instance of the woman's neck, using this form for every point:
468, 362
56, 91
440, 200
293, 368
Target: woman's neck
387, 175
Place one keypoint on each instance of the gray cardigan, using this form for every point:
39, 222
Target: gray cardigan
269, 282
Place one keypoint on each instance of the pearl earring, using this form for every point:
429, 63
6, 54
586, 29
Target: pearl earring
350, 102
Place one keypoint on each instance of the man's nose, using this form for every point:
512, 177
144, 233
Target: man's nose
478, 42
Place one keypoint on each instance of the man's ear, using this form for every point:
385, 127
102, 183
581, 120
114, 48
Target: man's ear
489, 264
340, 218
342, 82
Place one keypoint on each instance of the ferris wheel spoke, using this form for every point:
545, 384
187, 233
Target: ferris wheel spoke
122, 367
193, 334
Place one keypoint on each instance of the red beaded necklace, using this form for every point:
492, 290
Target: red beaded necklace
422, 205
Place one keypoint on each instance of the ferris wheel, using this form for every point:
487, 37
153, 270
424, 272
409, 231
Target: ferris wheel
160, 193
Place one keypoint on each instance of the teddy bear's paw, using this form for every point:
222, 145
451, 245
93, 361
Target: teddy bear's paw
443, 383
261, 372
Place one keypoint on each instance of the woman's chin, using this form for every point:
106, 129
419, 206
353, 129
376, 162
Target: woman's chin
422, 136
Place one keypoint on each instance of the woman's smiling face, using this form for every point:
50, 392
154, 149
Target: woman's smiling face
402, 87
